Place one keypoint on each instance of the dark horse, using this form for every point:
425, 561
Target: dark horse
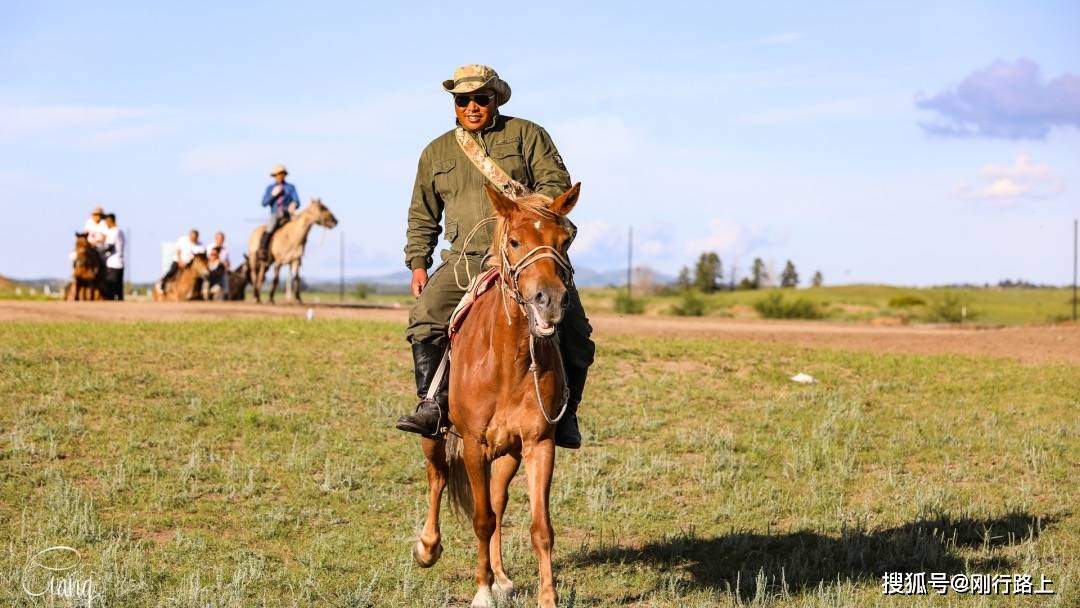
88, 272
507, 389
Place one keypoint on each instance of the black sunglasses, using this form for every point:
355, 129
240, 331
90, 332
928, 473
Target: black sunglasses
481, 99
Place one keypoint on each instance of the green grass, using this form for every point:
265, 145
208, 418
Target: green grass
254, 463
990, 306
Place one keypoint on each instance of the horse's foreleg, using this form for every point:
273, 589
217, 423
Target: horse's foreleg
428, 548
502, 472
483, 520
274, 283
539, 464
294, 274
258, 272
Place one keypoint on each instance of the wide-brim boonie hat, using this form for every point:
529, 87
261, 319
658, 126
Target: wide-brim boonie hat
97, 211
279, 168
474, 77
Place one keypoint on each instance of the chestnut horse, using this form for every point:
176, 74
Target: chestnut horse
186, 284
88, 272
507, 390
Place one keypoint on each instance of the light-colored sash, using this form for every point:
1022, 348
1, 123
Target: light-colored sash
487, 166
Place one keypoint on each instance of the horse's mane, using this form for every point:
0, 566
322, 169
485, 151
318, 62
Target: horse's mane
534, 203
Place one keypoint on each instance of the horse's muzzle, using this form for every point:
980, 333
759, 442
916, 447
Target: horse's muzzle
545, 311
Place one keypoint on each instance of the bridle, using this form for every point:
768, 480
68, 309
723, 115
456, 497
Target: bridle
511, 273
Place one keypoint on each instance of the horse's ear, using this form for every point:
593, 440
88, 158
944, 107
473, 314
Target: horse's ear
503, 205
566, 201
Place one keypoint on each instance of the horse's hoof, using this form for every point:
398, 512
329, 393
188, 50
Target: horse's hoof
418, 554
502, 589
483, 598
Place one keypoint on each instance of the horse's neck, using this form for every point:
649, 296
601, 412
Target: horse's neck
304, 222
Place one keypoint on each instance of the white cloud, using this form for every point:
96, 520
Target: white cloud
126, 133
81, 124
28, 119
1009, 183
592, 236
653, 248
729, 238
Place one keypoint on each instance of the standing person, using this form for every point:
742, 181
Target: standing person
282, 199
449, 186
220, 265
186, 248
114, 259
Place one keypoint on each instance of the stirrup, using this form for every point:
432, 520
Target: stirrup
441, 424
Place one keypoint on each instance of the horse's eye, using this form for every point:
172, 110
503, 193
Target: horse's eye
514, 243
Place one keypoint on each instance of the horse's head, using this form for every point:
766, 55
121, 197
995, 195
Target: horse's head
201, 265
530, 243
82, 240
323, 217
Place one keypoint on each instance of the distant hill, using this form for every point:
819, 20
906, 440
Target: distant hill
583, 277
587, 277
5, 283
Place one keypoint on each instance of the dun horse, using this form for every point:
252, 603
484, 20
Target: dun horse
87, 276
185, 285
286, 248
507, 389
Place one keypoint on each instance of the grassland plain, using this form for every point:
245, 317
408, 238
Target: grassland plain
985, 306
254, 463
856, 303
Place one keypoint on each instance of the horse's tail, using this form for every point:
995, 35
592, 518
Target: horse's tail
461, 498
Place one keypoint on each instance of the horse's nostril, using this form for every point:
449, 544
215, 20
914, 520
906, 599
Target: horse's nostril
541, 298
565, 300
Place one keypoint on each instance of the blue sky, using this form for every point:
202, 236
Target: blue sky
916, 144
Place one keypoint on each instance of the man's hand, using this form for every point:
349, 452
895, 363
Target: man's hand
276, 191
419, 281
293, 207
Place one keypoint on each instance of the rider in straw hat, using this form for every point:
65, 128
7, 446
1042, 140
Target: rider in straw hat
282, 200
450, 189
95, 227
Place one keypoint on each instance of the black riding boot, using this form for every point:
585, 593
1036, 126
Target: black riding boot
566, 430
430, 417
264, 246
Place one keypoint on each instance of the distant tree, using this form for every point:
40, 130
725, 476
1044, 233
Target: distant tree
644, 280
759, 276
683, 281
708, 272
818, 280
789, 278
746, 283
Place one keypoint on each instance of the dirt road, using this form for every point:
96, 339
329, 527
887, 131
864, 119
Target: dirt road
1060, 343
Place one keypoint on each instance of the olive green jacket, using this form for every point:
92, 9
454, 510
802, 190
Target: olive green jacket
447, 183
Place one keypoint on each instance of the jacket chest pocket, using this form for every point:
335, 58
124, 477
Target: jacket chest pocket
507, 154
444, 177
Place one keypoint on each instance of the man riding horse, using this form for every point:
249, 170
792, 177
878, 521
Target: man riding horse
282, 199
449, 185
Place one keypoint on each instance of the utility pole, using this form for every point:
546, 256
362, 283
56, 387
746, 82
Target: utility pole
629, 263
1076, 235
341, 267
128, 276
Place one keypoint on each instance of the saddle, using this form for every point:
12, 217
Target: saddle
479, 284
